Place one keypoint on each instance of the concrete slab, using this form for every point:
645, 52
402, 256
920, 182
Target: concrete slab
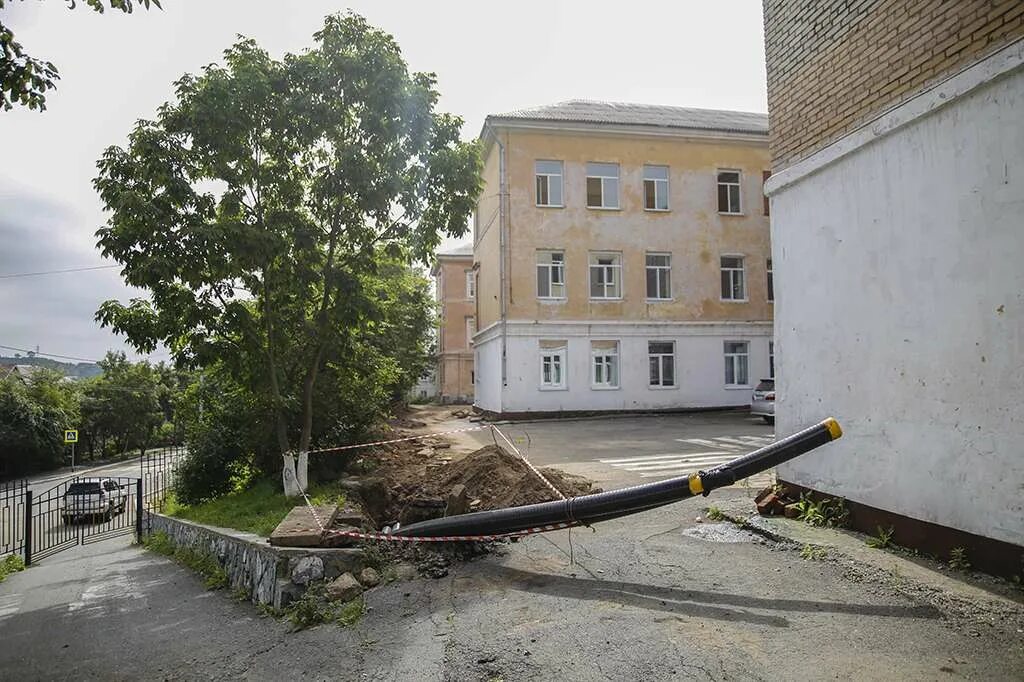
300, 529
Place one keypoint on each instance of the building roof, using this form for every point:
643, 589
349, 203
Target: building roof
461, 250
655, 115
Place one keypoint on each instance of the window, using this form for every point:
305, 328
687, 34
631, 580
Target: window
656, 188
659, 276
550, 274
771, 282
771, 359
602, 185
733, 286
470, 284
605, 361
470, 330
552, 364
605, 275
736, 363
728, 191
764, 178
549, 183
662, 360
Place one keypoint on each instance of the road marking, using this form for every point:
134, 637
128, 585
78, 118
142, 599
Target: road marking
673, 455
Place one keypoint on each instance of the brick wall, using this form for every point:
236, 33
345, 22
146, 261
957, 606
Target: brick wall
834, 65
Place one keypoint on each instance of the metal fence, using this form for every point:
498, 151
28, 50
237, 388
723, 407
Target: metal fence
12, 517
159, 470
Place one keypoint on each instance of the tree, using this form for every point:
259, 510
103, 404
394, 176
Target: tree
123, 404
33, 416
260, 202
24, 79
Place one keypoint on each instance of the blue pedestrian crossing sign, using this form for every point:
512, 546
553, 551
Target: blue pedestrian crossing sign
70, 435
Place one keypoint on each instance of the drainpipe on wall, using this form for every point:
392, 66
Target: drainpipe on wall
502, 250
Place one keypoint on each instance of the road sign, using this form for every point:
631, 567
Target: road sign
70, 435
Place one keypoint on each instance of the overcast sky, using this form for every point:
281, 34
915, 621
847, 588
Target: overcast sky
116, 68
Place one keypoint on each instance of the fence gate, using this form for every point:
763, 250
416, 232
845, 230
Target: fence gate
79, 511
12, 517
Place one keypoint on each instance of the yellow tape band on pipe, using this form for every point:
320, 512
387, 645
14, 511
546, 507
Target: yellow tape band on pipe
696, 485
833, 428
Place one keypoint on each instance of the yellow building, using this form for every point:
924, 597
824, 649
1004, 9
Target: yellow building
623, 259
454, 281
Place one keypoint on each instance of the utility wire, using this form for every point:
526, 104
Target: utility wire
48, 355
58, 272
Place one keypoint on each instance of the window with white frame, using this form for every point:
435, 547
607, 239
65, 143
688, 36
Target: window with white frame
728, 191
771, 282
549, 183
602, 185
552, 364
661, 356
656, 188
470, 284
470, 329
733, 285
550, 274
736, 363
605, 275
604, 360
771, 359
659, 276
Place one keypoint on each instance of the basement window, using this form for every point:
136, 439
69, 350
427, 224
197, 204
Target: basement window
604, 357
552, 365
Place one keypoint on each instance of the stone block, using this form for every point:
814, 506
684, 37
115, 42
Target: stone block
306, 569
344, 588
369, 577
344, 560
457, 501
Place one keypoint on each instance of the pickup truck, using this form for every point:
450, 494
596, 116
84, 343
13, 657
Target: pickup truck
93, 498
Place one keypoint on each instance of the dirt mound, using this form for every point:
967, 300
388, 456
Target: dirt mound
416, 490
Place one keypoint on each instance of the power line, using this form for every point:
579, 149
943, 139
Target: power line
49, 355
58, 272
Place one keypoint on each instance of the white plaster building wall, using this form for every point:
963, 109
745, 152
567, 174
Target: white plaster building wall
487, 361
900, 288
699, 361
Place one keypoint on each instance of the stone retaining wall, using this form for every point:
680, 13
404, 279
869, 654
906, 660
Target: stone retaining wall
271, 575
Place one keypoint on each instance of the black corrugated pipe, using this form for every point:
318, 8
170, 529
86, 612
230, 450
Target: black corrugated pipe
612, 504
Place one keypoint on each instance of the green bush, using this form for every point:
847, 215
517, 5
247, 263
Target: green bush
12, 563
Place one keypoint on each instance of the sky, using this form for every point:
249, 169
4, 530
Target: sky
488, 58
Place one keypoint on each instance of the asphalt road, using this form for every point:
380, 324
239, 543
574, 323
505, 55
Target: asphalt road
652, 597
620, 451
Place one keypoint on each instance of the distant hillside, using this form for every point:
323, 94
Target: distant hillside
83, 370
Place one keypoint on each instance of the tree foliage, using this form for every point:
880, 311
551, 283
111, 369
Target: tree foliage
272, 209
24, 79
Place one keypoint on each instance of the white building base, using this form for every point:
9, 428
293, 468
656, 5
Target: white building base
699, 366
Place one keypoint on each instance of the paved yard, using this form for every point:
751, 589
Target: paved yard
652, 598
619, 451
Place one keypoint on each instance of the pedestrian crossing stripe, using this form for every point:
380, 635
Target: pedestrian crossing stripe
719, 450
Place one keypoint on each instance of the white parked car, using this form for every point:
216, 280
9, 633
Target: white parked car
93, 498
762, 402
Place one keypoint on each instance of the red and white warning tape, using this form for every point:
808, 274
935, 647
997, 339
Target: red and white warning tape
399, 440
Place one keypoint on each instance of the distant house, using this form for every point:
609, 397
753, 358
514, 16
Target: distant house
455, 281
23, 372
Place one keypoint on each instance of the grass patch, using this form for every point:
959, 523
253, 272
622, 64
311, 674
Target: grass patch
12, 563
830, 512
882, 538
206, 565
813, 553
715, 514
257, 509
313, 608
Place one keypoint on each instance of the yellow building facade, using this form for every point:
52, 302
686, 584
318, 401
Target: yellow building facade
454, 286
623, 259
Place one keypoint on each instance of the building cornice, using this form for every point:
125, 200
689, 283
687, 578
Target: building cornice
618, 130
